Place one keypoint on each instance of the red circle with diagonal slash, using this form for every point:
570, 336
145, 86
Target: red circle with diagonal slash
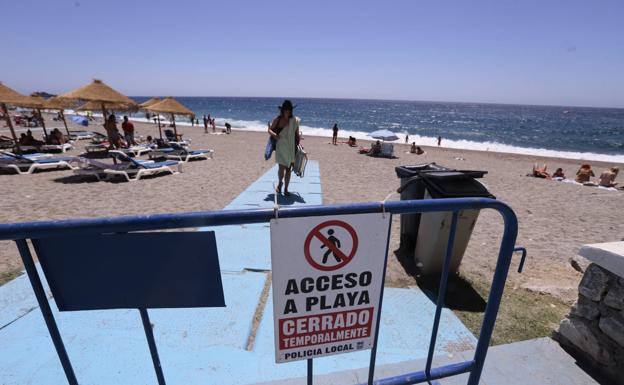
316, 232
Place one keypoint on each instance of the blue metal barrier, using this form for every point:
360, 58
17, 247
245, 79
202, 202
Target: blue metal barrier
20, 232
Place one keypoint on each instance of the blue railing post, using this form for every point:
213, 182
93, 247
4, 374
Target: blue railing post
496, 292
373, 356
46, 311
441, 293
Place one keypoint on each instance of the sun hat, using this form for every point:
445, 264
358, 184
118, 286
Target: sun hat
287, 104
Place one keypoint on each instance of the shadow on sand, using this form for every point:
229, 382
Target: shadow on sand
285, 200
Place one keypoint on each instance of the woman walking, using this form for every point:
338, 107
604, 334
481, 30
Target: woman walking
284, 129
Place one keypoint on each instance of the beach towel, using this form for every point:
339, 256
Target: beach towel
269, 148
80, 120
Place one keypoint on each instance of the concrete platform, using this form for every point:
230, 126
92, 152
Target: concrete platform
540, 361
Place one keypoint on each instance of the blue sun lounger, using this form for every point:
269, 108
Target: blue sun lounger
179, 153
129, 168
23, 164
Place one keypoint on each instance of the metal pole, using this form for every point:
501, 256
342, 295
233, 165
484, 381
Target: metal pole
310, 372
10, 123
441, 293
373, 357
496, 292
149, 334
159, 129
42, 299
65, 123
45, 133
175, 130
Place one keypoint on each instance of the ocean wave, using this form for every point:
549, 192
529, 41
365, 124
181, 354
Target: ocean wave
259, 126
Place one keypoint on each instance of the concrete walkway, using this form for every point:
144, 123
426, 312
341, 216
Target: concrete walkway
540, 361
206, 346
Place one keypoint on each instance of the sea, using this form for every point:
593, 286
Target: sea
557, 131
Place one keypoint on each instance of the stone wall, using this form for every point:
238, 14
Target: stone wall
594, 329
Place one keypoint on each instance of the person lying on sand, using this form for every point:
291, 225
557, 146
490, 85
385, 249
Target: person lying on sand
584, 173
558, 173
607, 178
540, 172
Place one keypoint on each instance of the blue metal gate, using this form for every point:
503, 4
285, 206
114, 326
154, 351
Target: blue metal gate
21, 232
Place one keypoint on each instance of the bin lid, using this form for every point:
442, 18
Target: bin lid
454, 185
410, 171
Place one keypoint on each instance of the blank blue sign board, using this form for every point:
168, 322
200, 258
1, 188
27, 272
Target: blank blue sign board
132, 270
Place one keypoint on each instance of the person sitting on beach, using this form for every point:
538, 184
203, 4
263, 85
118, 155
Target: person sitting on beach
607, 178
584, 173
376, 148
23, 140
540, 172
56, 137
558, 173
352, 142
29, 140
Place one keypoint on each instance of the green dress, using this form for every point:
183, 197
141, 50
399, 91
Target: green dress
285, 148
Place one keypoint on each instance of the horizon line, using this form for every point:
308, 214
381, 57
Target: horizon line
382, 100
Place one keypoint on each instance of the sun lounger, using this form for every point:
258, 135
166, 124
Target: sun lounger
6, 142
49, 147
179, 153
81, 135
23, 165
134, 151
128, 168
96, 147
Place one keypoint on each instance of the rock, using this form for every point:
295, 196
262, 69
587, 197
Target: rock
585, 308
581, 334
613, 327
615, 296
595, 282
579, 263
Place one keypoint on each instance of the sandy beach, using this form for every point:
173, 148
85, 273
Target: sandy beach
555, 218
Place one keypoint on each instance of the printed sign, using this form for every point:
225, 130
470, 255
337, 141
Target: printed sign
327, 278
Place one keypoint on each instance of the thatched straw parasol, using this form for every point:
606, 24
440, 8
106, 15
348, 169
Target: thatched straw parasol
14, 98
89, 106
60, 105
150, 102
170, 106
100, 93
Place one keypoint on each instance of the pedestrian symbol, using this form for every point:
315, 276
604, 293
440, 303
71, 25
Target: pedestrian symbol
336, 242
330, 245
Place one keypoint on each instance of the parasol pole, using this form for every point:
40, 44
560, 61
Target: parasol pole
104, 114
8, 120
159, 129
45, 132
65, 122
175, 130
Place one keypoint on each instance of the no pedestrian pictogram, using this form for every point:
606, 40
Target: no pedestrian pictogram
330, 245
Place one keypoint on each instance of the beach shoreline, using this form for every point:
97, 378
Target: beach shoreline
555, 219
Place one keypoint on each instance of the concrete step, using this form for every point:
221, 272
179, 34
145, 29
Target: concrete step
540, 361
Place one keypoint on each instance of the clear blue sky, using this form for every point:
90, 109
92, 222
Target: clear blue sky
529, 52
